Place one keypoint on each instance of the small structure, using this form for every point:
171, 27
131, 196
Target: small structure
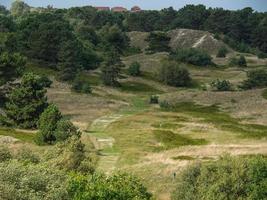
136, 9
119, 9
102, 8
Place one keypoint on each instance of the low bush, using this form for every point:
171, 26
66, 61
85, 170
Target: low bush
255, 78
227, 178
154, 99
81, 86
174, 75
158, 42
5, 154
221, 85
192, 56
134, 69
222, 52
65, 129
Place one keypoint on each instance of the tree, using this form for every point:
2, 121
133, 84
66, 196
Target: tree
255, 78
3, 10
134, 69
227, 178
19, 8
11, 66
26, 102
65, 129
158, 41
6, 24
48, 124
111, 69
172, 74
222, 52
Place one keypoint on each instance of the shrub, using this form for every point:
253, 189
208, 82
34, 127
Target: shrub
65, 129
27, 156
255, 78
172, 74
45, 81
242, 61
81, 86
98, 186
158, 42
5, 154
192, 56
222, 52
134, 69
48, 124
221, 85
154, 99
227, 178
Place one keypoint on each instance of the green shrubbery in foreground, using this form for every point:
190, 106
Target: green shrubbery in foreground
227, 178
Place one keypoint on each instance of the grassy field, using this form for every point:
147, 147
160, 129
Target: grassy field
132, 135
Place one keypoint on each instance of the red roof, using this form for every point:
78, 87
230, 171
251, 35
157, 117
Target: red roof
102, 8
119, 9
136, 9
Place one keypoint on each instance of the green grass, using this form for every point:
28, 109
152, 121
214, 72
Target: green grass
212, 114
90, 78
264, 94
40, 69
170, 140
167, 125
25, 137
135, 87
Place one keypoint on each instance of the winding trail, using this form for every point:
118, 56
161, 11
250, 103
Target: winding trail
107, 161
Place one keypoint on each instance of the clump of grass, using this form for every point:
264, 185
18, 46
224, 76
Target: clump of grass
212, 114
170, 140
25, 137
183, 158
264, 94
138, 88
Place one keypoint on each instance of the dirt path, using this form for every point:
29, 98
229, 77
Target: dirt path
107, 161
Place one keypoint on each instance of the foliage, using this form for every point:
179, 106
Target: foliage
65, 129
111, 69
222, 52
27, 156
97, 186
221, 85
158, 42
26, 102
192, 56
134, 69
172, 74
242, 61
81, 86
19, 8
11, 66
6, 24
5, 154
227, 178
48, 125
154, 99
255, 78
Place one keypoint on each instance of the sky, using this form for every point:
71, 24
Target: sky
259, 5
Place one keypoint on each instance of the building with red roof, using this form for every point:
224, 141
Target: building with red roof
136, 9
119, 9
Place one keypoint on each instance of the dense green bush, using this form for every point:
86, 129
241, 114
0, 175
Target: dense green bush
65, 129
48, 124
158, 42
134, 69
221, 85
26, 102
97, 186
242, 61
154, 99
81, 86
222, 52
172, 74
227, 178
192, 56
255, 78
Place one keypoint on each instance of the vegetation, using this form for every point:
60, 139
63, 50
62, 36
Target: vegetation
134, 69
158, 41
81, 86
172, 74
255, 78
231, 178
221, 85
26, 102
222, 52
192, 56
